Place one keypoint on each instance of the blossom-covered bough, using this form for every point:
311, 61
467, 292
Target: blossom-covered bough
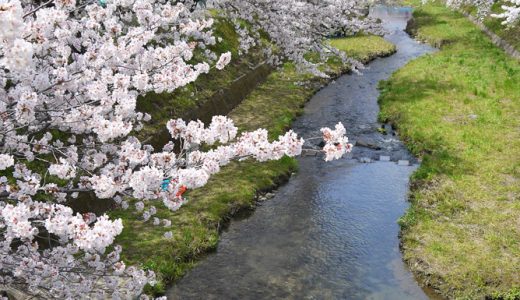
297, 26
70, 75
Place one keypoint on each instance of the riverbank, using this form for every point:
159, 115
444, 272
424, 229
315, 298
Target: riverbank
458, 110
196, 226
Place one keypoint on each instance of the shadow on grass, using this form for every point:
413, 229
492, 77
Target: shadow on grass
408, 89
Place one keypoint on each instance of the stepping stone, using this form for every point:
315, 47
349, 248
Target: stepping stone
269, 195
309, 153
367, 143
403, 163
365, 160
384, 158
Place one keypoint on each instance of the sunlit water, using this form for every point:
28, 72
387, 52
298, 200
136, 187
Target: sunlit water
331, 232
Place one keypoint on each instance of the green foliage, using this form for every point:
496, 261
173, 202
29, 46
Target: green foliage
458, 110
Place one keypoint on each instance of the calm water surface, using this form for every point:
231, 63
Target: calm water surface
331, 232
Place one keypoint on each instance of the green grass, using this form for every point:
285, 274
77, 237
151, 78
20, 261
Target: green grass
272, 105
459, 110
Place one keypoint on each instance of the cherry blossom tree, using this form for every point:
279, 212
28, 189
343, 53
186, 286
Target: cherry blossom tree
70, 75
483, 6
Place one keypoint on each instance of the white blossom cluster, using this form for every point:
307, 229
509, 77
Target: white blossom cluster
299, 26
70, 75
80, 70
73, 264
336, 143
511, 13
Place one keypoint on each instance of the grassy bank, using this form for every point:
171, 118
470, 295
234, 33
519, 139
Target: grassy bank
459, 109
272, 105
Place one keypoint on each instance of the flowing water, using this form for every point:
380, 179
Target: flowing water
331, 232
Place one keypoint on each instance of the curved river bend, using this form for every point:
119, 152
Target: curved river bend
331, 232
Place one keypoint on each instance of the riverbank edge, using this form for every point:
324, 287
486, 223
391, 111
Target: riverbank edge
497, 40
237, 189
423, 182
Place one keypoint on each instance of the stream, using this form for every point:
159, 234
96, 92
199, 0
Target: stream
331, 232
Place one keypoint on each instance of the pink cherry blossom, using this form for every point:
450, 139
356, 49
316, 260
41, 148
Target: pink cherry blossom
223, 61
